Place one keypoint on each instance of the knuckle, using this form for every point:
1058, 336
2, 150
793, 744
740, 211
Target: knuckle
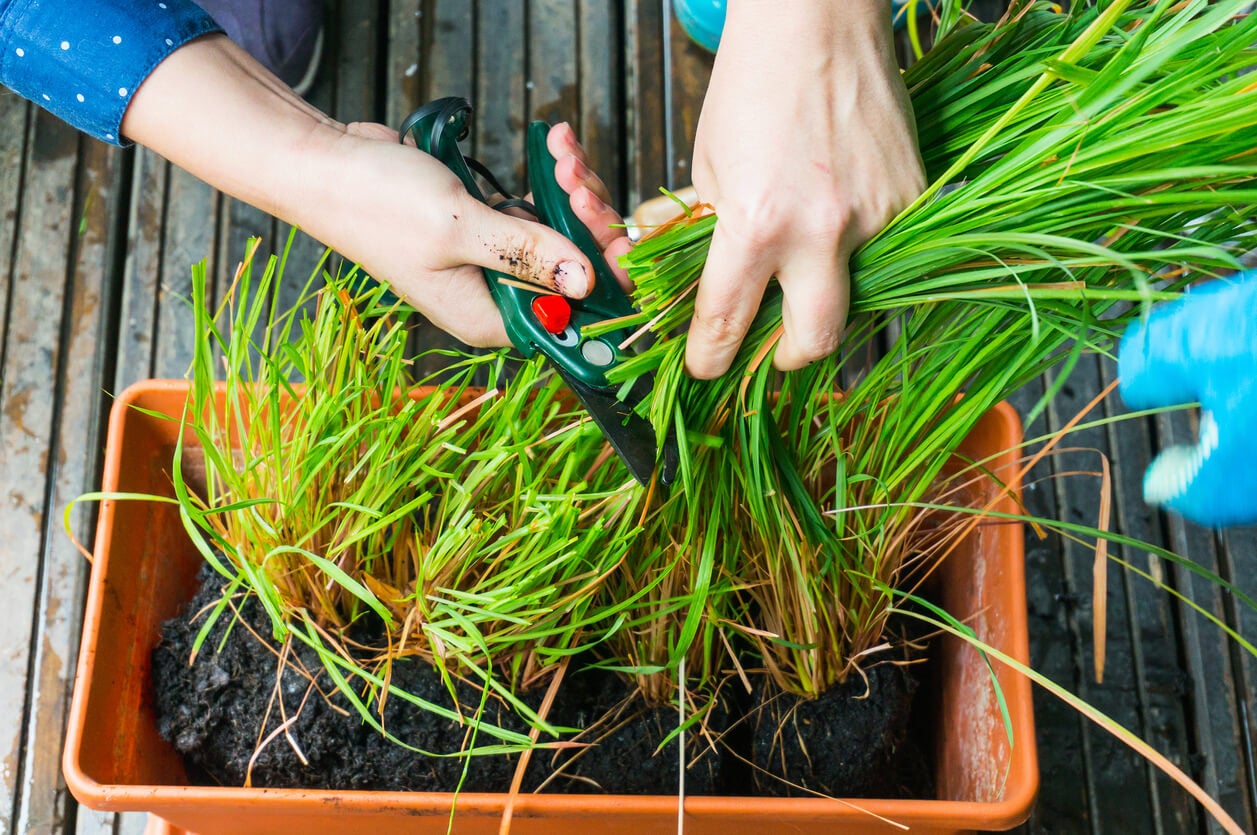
723, 327
828, 222
817, 345
704, 365
755, 223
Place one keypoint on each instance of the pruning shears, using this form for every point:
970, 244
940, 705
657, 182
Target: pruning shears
537, 321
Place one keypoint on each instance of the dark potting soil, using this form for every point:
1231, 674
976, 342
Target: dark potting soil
623, 758
217, 710
847, 743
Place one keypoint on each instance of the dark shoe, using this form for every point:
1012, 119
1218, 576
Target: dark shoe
285, 36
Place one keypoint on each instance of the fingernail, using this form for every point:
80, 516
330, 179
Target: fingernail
570, 279
569, 135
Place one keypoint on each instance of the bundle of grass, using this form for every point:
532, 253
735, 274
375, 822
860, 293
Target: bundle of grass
1082, 165
421, 560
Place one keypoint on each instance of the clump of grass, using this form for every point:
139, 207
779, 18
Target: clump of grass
1083, 164
465, 527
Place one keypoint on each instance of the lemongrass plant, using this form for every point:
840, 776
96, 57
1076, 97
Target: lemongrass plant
373, 520
1082, 165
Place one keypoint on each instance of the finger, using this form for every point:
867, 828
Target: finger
600, 219
561, 141
729, 295
815, 295
602, 222
522, 248
572, 173
1209, 482
572, 167
613, 253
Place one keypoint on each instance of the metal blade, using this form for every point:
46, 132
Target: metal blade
631, 435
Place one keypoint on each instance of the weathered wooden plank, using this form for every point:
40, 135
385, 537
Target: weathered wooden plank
500, 85
14, 112
32, 350
1215, 710
188, 237
1062, 804
88, 822
404, 60
358, 28
142, 274
86, 362
1159, 677
1119, 789
646, 149
131, 823
449, 46
552, 59
601, 92
689, 68
1240, 561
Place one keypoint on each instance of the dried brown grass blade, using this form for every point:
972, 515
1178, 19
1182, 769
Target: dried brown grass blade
1100, 571
517, 781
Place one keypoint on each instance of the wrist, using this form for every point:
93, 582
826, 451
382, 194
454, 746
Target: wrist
840, 31
806, 18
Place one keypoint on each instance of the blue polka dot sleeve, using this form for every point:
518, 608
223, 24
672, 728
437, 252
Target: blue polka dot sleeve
83, 59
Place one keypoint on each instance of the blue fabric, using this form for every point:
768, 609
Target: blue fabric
84, 59
1202, 348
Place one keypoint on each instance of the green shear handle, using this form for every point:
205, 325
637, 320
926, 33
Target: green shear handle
437, 128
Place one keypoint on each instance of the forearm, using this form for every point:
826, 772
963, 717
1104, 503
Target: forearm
216, 113
831, 23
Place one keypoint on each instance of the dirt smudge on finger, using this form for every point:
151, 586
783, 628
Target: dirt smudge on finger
521, 263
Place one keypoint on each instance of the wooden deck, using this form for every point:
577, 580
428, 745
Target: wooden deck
95, 246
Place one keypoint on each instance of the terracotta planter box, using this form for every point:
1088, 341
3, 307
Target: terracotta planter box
145, 568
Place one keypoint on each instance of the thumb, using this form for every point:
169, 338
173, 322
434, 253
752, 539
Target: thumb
525, 249
1211, 481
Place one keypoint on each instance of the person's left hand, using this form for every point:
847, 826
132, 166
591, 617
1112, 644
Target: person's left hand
403, 216
806, 147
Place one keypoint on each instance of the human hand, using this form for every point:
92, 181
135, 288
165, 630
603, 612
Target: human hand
408, 220
419, 230
1202, 347
806, 147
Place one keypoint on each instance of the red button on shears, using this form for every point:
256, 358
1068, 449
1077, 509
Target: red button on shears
553, 312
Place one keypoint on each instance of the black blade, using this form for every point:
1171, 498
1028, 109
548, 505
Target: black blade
631, 435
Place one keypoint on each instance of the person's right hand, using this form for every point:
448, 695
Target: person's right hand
1203, 348
806, 148
408, 220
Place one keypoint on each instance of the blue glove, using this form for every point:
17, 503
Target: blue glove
1203, 348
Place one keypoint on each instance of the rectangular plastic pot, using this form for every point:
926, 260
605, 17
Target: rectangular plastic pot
145, 569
